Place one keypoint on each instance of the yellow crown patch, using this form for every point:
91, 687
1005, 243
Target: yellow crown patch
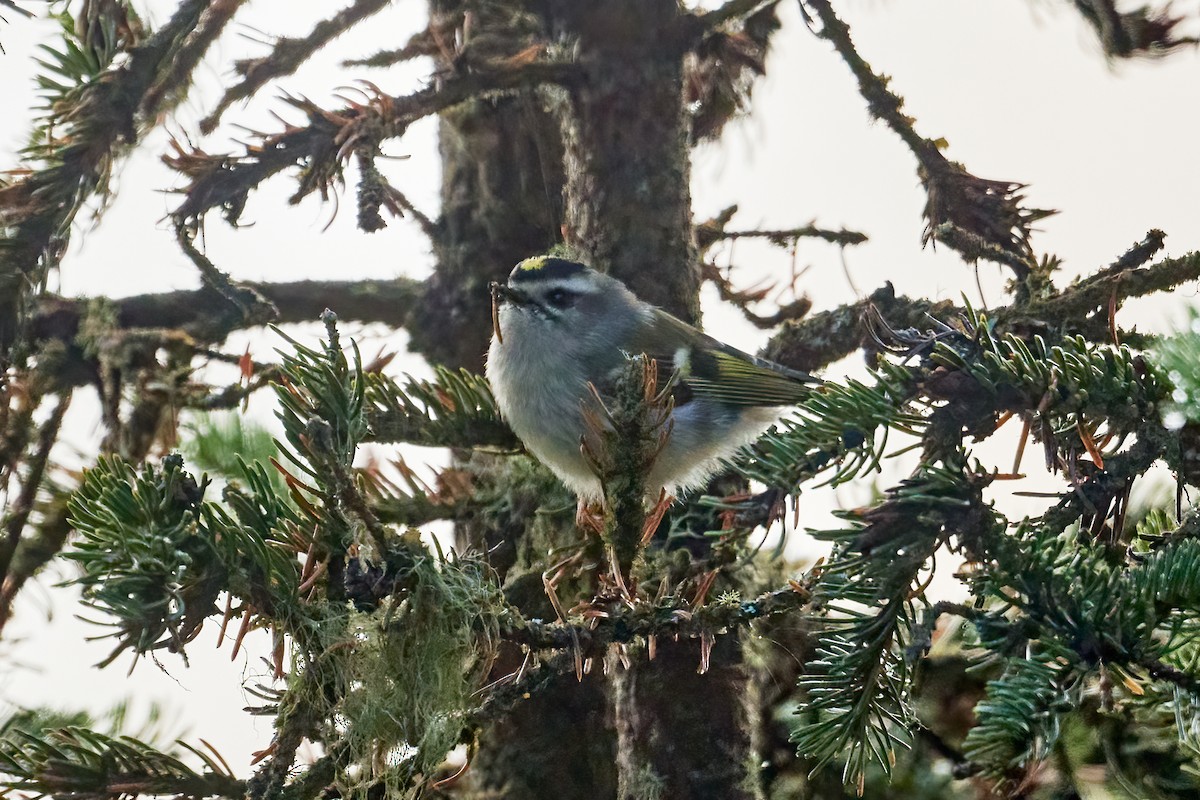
530, 264
545, 268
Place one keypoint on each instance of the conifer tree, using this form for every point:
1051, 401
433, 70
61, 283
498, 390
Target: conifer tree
626, 657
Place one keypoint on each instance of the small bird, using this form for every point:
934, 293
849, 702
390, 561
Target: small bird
560, 325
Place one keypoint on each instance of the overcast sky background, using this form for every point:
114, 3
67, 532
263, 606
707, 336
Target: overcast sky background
1020, 90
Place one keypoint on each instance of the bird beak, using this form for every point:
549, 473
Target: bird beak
502, 292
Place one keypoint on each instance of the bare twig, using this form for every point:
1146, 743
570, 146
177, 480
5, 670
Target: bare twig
288, 54
732, 9
988, 209
743, 299
255, 309
331, 136
785, 237
14, 521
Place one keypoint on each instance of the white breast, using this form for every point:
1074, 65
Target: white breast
539, 396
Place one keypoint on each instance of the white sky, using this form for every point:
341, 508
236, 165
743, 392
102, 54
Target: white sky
1112, 146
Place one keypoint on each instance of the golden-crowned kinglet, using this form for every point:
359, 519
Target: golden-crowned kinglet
561, 325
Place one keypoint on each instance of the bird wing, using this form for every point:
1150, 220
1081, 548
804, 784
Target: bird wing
708, 368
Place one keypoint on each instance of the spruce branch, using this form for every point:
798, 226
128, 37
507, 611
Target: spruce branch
48, 535
842, 428
81, 763
1074, 382
1066, 611
322, 146
623, 623
14, 518
989, 210
743, 299
414, 502
781, 237
154, 556
624, 432
1089, 299
824, 337
727, 57
322, 399
427, 42
254, 308
287, 55
1082, 308
207, 316
1021, 716
857, 686
142, 562
455, 409
170, 83
1143, 31
973, 247
96, 116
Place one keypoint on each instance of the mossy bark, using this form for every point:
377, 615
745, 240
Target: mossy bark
684, 735
608, 171
502, 201
680, 734
628, 175
502, 185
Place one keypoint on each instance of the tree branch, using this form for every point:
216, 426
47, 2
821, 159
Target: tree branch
989, 209
206, 314
624, 624
331, 137
784, 237
14, 521
1141, 32
174, 83
287, 55
1095, 292
40, 208
820, 339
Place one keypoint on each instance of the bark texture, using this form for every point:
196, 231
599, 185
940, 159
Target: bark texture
628, 195
501, 202
628, 210
682, 734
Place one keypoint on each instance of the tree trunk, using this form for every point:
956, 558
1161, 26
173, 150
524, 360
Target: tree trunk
626, 144
617, 150
680, 734
502, 201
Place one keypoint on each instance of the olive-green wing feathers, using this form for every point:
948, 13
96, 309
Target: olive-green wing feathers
708, 368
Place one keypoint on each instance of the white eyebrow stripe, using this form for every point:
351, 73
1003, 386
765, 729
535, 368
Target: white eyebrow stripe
577, 285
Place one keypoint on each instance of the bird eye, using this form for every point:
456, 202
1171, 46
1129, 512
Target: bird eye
560, 298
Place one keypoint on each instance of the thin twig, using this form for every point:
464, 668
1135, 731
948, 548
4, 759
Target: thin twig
330, 136
14, 522
287, 56
732, 9
785, 236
